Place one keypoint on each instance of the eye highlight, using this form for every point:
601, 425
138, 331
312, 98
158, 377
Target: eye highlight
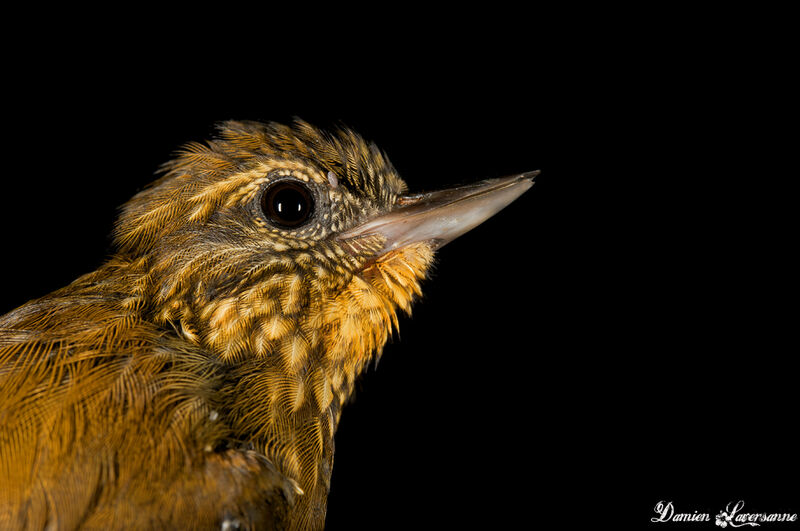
287, 204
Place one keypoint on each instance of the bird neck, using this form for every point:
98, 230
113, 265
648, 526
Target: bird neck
292, 320
292, 346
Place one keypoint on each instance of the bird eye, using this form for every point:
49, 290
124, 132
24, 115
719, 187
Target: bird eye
287, 204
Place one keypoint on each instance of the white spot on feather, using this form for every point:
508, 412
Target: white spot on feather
334, 182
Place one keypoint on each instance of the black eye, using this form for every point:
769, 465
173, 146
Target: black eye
287, 204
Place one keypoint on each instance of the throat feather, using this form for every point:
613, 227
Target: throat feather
295, 347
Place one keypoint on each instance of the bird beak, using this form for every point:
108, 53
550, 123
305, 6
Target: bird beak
440, 217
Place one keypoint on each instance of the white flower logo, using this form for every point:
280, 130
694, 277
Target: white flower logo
730, 517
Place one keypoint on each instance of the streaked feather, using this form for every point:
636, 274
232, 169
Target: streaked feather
205, 365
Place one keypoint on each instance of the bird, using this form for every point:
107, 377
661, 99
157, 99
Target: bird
195, 380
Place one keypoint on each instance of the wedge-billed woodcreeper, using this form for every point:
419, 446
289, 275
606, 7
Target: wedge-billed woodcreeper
196, 379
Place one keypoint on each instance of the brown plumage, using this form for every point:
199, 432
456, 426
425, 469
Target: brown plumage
195, 380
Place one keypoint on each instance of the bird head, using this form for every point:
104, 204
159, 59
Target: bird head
291, 245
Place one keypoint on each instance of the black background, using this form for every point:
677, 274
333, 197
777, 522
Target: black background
620, 335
